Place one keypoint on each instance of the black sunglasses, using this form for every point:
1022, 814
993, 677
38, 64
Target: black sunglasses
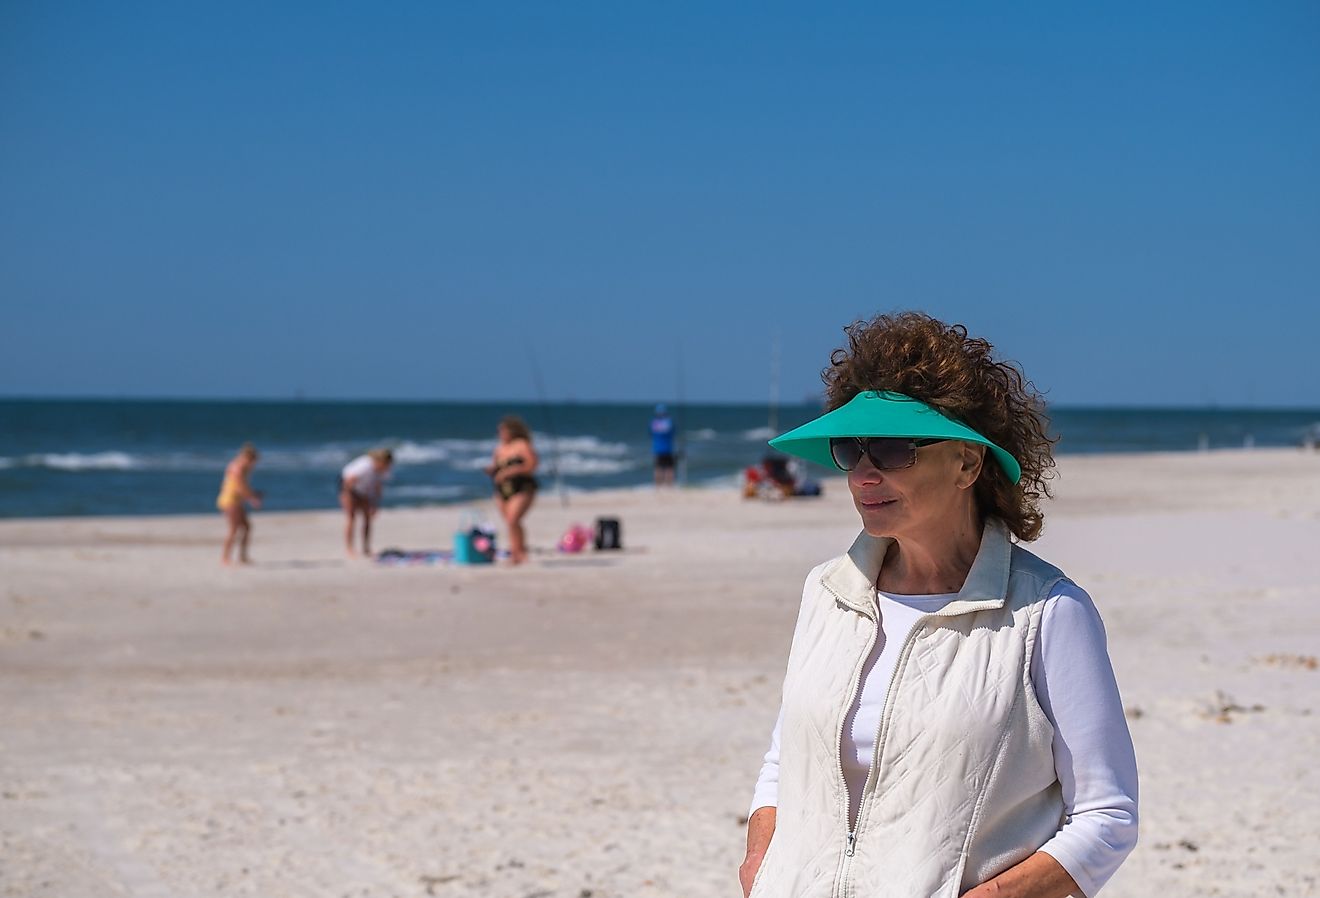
886, 453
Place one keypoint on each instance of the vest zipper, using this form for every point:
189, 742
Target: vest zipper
882, 729
850, 844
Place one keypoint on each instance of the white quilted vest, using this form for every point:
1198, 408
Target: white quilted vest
964, 785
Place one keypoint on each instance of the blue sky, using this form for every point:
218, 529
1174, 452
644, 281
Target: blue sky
405, 200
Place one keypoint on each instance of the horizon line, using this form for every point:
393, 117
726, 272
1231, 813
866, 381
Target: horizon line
332, 400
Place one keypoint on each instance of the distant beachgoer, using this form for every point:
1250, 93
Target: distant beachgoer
511, 469
662, 445
361, 484
236, 494
771, 478
950, 723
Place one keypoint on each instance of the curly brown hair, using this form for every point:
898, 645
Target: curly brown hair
939, 364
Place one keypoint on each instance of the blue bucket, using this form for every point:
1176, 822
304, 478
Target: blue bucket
474, 546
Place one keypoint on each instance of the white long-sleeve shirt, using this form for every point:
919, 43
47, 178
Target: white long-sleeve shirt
1075, 685
367, 481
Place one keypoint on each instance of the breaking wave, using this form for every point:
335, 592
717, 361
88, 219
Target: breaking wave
78, 461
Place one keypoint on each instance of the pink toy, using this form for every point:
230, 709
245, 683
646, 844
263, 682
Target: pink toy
575, 539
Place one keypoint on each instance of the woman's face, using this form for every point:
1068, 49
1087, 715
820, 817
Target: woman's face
934, 493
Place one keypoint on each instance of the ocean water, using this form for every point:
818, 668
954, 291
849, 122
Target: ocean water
126, 457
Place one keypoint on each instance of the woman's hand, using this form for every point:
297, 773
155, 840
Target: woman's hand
760, 829
1039, 876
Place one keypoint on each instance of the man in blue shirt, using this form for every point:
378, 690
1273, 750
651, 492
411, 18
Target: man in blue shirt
662, 446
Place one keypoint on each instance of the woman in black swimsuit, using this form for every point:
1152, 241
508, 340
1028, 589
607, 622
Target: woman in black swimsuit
511, 469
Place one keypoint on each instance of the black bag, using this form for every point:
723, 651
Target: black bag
609, 535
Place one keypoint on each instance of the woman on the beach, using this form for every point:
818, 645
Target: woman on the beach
950, 722
511, 470
361, 485
236, 494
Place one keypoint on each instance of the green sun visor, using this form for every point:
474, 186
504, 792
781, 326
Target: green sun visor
883, 414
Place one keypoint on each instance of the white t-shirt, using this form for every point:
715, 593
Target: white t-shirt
1093, 755
368, 479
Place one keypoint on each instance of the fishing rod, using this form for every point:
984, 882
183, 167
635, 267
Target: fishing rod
680, 440
550, 425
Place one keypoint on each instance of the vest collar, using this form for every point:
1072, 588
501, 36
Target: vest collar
852, 578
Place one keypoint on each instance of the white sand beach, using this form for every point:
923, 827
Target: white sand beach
591, 726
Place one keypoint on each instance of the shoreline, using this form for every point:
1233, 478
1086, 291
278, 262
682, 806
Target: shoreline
547, 493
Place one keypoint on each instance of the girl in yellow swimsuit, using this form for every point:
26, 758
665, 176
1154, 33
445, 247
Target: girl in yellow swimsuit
235, 495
